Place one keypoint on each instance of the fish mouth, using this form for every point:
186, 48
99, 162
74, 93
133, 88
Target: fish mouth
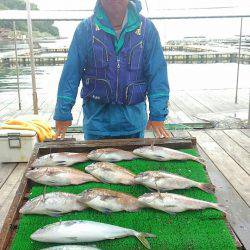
29, 174
22, 210
141, 177
89, 168
36, 236
138, 179
145, 197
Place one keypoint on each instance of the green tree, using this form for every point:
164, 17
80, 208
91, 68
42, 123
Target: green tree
40, 26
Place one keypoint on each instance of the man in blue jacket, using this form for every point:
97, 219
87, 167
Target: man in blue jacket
118, 56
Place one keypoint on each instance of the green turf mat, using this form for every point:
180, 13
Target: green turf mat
188, 230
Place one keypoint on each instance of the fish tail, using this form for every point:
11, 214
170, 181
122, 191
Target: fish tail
142, 238
220, 207
94, 179
207, 187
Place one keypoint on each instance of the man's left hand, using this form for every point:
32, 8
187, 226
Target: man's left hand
158, 129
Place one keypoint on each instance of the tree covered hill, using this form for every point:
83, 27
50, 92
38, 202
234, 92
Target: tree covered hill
38, 26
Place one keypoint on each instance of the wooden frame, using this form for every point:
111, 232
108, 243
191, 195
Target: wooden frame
11, 221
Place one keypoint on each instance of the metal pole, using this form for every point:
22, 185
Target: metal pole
32, 59
17, 67
248, 123
147, 5
238, 67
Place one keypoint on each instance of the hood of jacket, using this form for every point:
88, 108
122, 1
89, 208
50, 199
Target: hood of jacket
135, 3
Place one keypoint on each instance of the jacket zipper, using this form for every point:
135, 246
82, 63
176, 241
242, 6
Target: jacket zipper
131, 53
105, 48
117, 78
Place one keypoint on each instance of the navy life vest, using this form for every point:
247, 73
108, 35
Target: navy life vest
112, 78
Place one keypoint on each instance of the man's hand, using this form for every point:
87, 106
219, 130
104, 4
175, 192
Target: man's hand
158, 129
61, 128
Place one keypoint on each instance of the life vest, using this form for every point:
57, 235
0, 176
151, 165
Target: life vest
112, 78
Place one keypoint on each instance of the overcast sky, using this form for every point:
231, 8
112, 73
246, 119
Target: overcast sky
153, 4
169, 29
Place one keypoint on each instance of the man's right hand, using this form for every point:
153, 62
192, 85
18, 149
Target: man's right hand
61, 128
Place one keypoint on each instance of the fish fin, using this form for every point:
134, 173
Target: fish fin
171, 213
112, 160
44, 193
102, 180
51, 182
71, 238
142, 238
207, 187
160, 157
61, 163
150, 189
104, 210
107, 211
108, 197
54, 215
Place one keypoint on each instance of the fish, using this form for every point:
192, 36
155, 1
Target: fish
63, 159
57, 176
174, 203
72, 247
164, 181
111, 155
110, 173
158, 153
107, 201
79, 231
53, 204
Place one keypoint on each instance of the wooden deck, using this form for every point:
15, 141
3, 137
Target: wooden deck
226, 151
185, 105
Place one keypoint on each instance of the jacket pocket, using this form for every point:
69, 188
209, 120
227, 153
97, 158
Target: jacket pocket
97, 89
135, 93
101, 55
135, 56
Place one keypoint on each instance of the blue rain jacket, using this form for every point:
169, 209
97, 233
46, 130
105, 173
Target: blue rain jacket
110, 119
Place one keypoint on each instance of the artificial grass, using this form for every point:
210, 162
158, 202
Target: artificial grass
201, 229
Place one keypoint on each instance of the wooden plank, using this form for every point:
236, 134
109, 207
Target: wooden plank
8, 190
227, 96
127, 144
80, 118
240, 138
5, 170
181, 117
236, 152
213, 100
188, 104
77, 136
229, 168
246, 132
238, 211
180, 134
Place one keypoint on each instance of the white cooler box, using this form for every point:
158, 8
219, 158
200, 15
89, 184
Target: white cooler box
16, 145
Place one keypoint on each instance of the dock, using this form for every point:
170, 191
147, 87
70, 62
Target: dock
174, 53
201, 57
225, 150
